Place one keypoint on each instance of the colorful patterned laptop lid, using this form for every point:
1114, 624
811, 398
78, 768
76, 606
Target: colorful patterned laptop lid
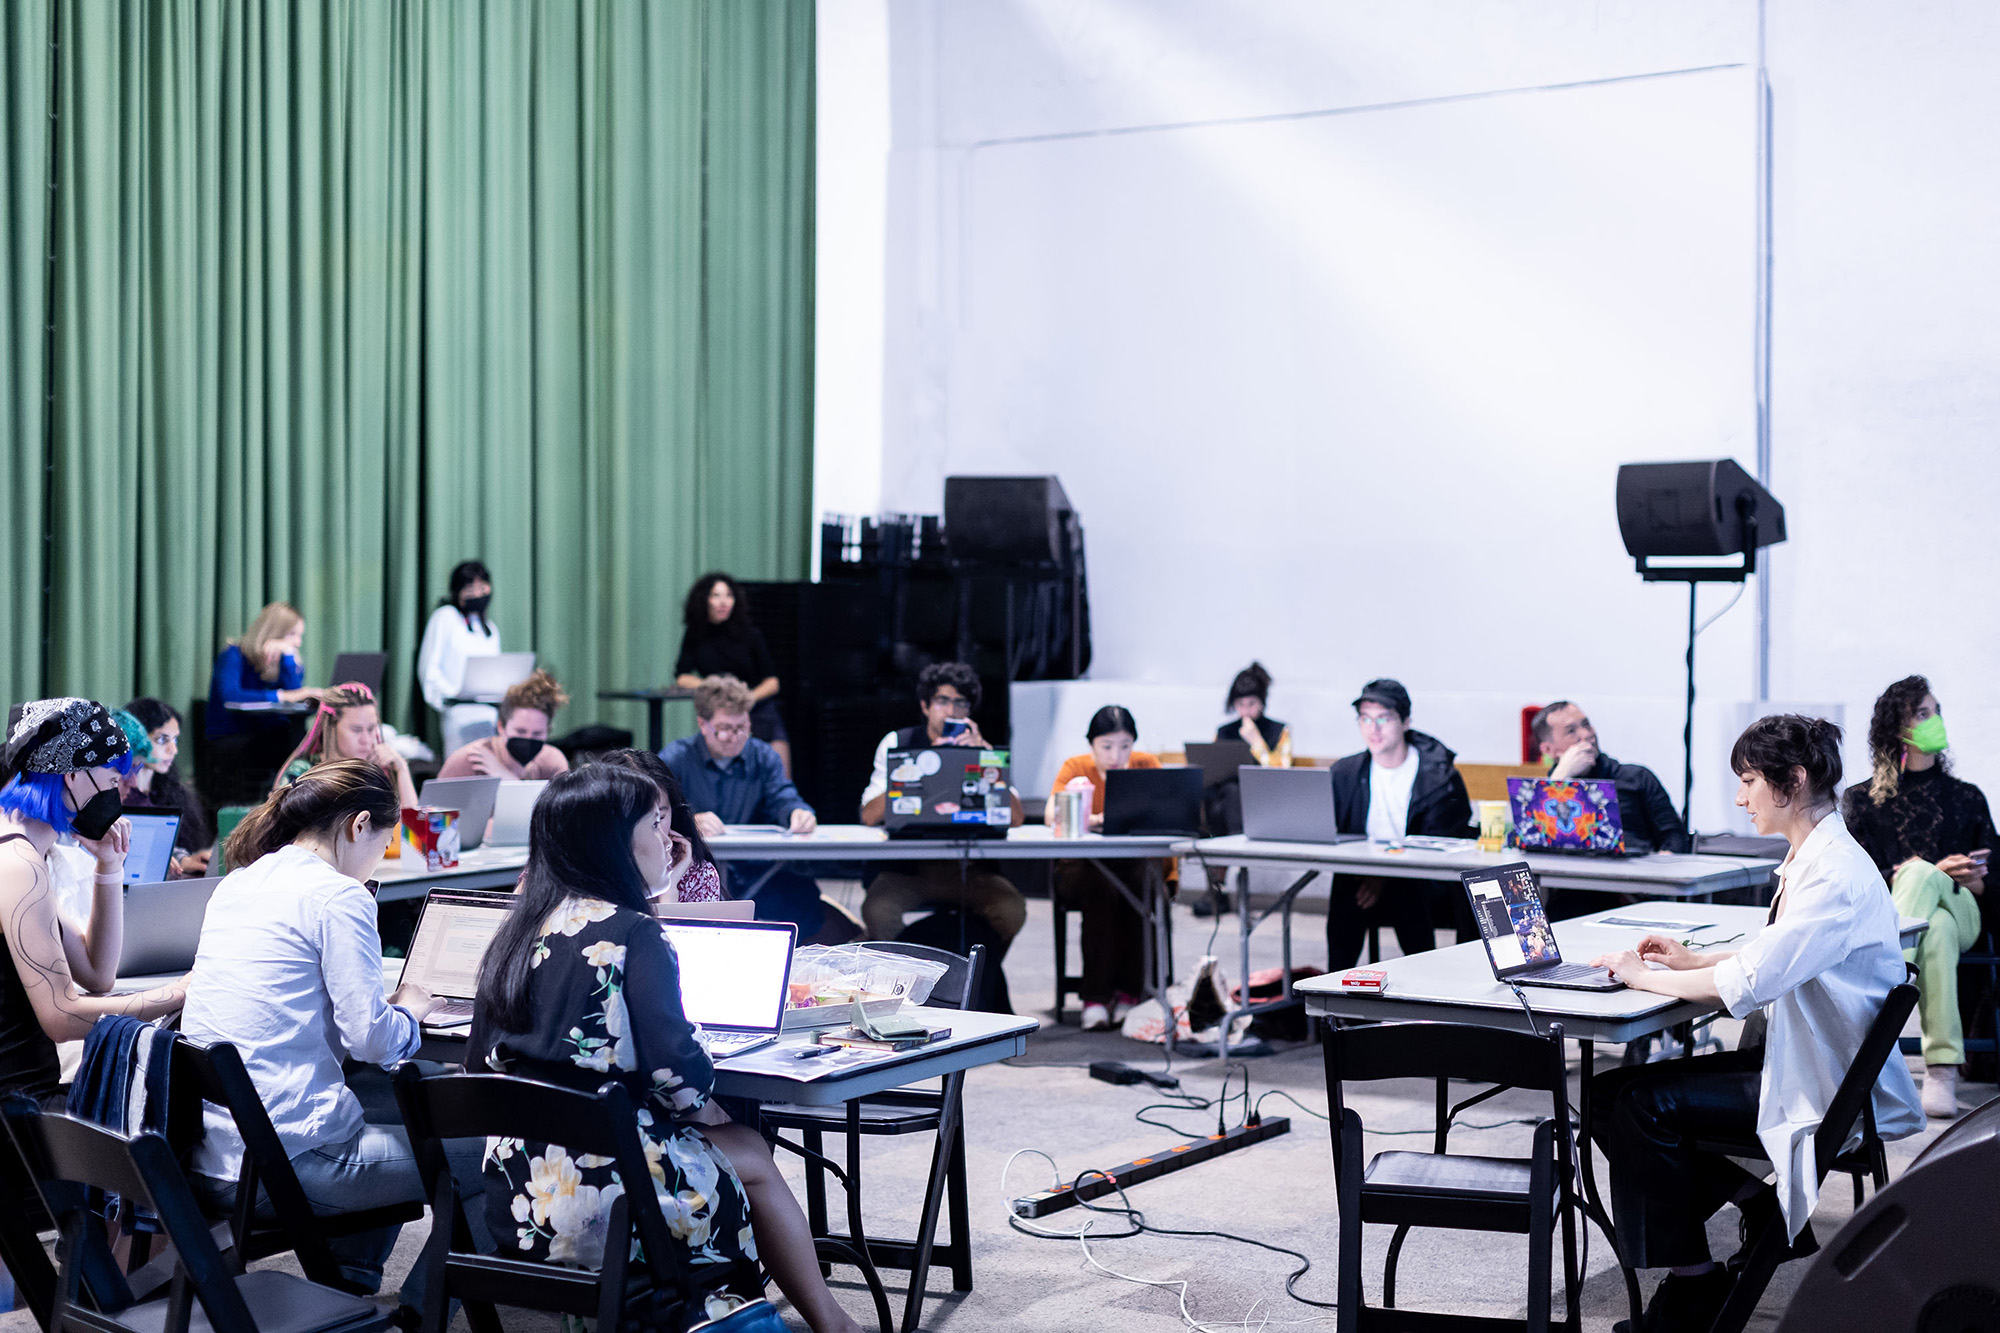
1566, 815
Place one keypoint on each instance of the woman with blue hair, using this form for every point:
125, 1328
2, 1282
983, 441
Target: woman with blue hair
59, 775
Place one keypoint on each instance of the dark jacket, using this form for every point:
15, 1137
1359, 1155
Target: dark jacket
1651, 822
1270, 729
1439, 807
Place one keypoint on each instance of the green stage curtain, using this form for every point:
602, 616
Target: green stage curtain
346, 291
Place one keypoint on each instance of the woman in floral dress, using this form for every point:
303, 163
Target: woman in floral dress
580, 987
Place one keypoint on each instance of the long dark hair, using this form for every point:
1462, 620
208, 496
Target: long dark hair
1885, 736
649, 765
317, 801
167, 790
463, 573
579, 846
694, 612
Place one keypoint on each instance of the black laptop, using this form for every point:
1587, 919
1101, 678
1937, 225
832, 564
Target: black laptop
953, 792
1153, 801
360, 669
1520, 945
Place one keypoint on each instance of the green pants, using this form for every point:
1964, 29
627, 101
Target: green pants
1921, 890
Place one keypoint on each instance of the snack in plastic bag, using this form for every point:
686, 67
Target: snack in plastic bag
837, 975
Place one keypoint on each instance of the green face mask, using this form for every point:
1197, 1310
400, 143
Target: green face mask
1927, 737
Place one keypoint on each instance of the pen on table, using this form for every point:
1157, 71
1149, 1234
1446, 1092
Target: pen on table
813, 1052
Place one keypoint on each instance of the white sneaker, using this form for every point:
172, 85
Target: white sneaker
1941, 1091
1119, 1008
1096, 1018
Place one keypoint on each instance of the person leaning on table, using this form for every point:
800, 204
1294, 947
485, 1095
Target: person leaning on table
1819, 972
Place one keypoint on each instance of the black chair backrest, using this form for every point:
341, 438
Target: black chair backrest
956, 986
1446, 1051
1858, 1084
66, 1157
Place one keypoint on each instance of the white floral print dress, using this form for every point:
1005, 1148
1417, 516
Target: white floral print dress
605, 996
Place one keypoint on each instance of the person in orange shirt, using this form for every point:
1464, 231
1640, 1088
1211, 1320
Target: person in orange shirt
1113, 933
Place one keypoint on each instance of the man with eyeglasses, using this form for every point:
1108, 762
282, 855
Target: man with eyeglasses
1569, 747
731, 777
1406, 783
947, 692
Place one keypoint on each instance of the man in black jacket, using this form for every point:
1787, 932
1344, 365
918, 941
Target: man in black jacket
1569, 747
1404, 783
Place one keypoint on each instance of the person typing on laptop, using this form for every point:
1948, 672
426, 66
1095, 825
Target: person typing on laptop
1819, 972
1569, 748
1405, 782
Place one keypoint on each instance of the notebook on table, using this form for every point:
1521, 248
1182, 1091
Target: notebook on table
453, 930
1520, 945
1579, 816
733, 978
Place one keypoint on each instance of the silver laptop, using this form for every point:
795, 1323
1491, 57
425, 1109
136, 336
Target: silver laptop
151, 853
487, 678
452, 933
473, 799
513, 805
1289, 805
726, 909
163, 926
733, 976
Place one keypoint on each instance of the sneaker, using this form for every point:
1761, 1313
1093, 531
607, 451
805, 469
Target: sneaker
1122, 1005
1096, 1018
1684, 1304
1941, 1091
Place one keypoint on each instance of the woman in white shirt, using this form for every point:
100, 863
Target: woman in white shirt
1819, 972
459, 629
289, 970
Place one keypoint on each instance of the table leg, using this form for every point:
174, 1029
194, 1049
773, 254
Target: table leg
1593, 1205
1152, 906
656, 724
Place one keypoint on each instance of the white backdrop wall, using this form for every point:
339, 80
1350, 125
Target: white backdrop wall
1337, 319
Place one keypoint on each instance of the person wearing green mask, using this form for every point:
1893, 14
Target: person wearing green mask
1929, 833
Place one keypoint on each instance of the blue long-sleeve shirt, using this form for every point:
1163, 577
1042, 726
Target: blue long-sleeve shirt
234, 680
750, 789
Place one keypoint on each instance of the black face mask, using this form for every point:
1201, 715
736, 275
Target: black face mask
475, 606
96, 816
523, 749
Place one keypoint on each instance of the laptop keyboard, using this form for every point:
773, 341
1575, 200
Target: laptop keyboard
1569, 972
449, 1012
722, 1045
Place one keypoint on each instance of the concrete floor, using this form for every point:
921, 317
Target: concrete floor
1280, 1192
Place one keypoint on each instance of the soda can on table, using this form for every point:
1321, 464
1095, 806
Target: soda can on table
1071, 817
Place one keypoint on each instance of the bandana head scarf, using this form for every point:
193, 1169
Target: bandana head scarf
62, 736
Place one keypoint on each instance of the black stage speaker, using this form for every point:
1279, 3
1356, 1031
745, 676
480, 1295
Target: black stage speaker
1006, 520
1924, 1255
1669, 509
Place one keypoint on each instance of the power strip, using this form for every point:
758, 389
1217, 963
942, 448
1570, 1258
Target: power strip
1147, 1168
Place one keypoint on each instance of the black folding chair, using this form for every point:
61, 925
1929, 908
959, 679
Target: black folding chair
662, 1291
899, 1112
215, 1073
67, 1158
1525, 1196
1851, 1103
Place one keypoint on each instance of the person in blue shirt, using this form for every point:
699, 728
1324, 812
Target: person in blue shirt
265, 666
731, 777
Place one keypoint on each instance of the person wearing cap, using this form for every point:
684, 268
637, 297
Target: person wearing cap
59, 775
1569, 748
1404, 783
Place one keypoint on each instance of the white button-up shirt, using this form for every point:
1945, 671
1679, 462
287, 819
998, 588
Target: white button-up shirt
1820, 972
289, 971
448, 641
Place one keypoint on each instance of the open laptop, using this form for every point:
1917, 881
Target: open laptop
513, 805
1152, 801
151, 853
1575, 815
453, 930
163, 926
1219, 760
1290, 805
1521, 946
487, 678
360, 669
724, 909
733, 978
473, 798
948, 791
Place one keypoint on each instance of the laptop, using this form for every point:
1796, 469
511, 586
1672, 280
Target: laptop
1152, 801
1574, 815
513, 804
453, 930
151, 853
733, 978
360, 669
473, 798
949, 791
1219, 760
1521, 946
726, 909
1290, 805
487, 678
163, 926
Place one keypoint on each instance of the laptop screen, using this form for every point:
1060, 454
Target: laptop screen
452, 935
733, 973
152, 849
1508, 908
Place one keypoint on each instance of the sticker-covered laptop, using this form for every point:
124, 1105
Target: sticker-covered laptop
1574, 815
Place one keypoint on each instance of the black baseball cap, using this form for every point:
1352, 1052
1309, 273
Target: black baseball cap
1388, 693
